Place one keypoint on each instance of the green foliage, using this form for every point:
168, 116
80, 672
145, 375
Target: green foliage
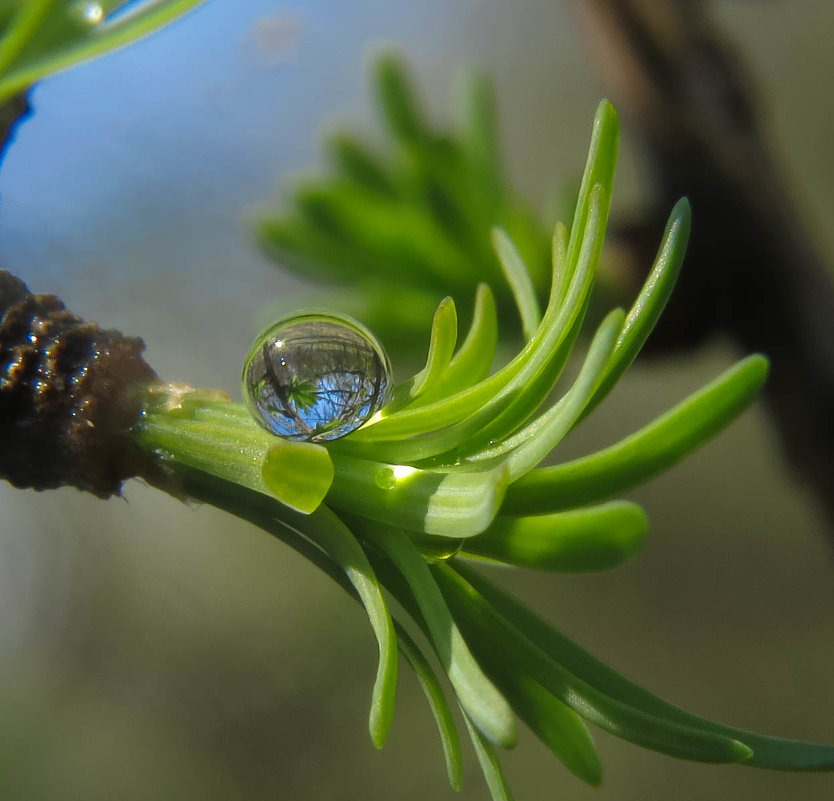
416, 219
302, 393
40, 37
447, 474
298, 473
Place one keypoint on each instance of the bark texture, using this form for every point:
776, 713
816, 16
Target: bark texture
69, 391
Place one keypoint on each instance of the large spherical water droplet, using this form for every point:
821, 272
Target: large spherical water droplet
315, 376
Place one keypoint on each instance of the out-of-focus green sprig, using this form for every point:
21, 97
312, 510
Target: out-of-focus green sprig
447, 474
405, 229
39, 37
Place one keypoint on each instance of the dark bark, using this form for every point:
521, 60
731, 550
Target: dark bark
69, 392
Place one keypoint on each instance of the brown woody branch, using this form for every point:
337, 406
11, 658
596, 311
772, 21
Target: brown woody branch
69, 392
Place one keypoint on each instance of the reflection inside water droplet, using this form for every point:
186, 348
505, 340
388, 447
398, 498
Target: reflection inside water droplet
315, 376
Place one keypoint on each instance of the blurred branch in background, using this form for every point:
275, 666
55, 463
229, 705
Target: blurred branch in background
753, 273
12, 111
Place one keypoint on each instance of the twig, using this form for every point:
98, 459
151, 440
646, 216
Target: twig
69, 391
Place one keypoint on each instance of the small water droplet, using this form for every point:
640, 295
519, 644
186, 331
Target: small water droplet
315, 376
384, 478
437, 549
89, 12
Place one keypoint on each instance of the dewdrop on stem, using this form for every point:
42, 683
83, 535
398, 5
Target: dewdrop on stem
315, 376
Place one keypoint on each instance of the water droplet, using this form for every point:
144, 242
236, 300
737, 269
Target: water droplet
315, 376
388, 477
437, 549
384, 478
90, 13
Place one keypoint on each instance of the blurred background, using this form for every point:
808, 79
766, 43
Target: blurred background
153, 650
